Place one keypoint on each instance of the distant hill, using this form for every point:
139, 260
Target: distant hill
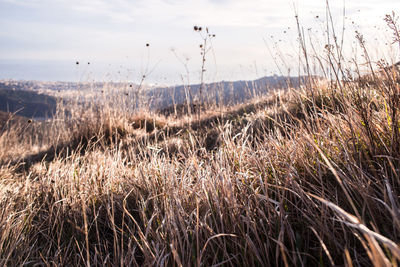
24, 96
227, 93
27, 103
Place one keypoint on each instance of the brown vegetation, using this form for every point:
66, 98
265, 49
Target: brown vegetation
291, 179
303, 177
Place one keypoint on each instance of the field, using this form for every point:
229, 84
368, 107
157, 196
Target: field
306, 177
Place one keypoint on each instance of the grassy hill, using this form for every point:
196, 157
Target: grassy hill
301, 177
305, 176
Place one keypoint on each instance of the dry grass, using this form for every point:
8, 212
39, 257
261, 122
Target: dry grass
306, 177
302, 183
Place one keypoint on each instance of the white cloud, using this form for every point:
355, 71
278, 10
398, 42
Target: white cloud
106, 30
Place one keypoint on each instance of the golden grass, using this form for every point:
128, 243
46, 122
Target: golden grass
300, 182
302, 177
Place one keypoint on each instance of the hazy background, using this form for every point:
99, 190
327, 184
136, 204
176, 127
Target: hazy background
42, 39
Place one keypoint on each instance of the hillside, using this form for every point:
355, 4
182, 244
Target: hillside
220, 93
299, 177
38, 99
273, 172
27, 103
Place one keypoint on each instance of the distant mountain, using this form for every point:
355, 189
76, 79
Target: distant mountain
227, 93
45, 86
33, 98
27, 103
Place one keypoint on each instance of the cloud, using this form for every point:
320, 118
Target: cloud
211, 12
107, 29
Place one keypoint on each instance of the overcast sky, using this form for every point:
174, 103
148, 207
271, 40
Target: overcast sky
42, 39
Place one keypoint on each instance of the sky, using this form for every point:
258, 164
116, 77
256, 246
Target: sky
43, 39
